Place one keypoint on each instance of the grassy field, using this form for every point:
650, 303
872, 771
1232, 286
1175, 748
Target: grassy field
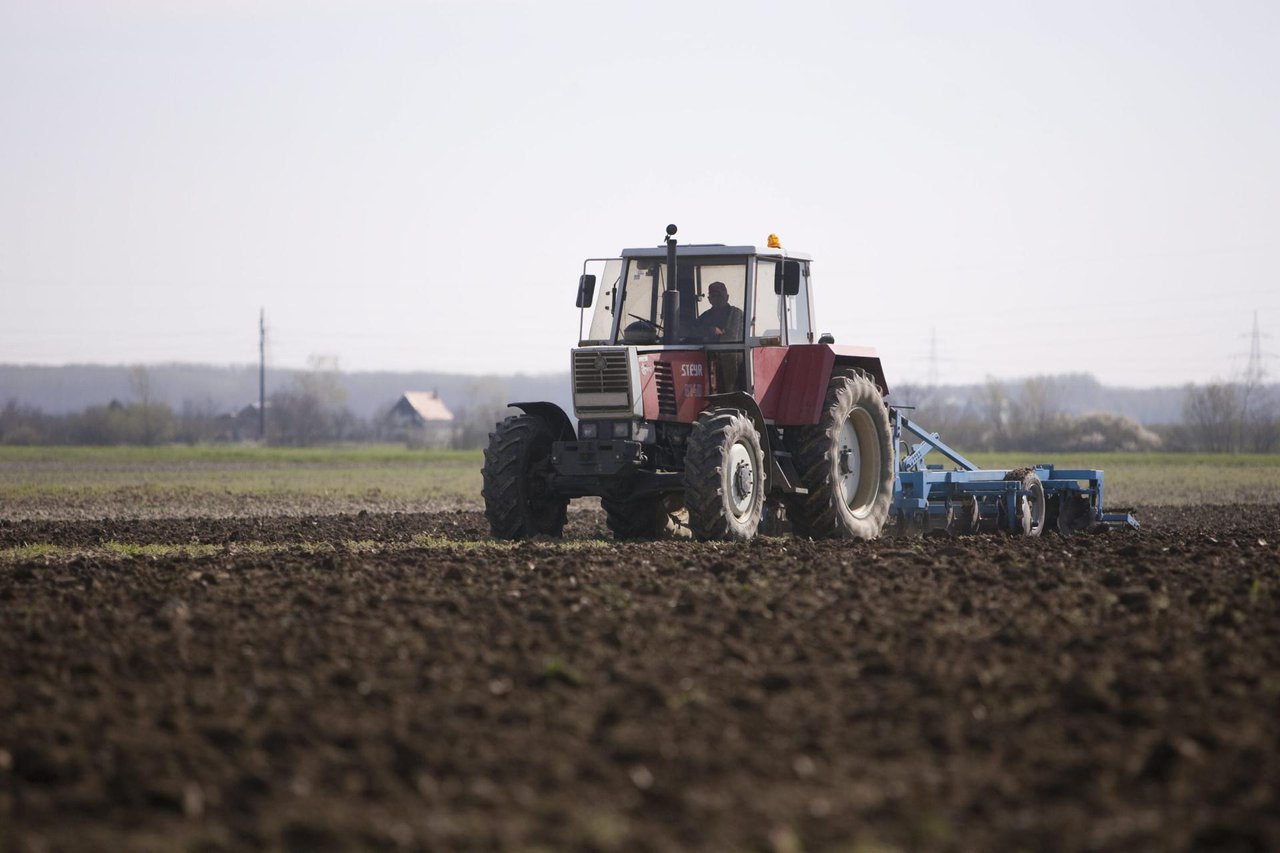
339, 471
224, 480
240, 480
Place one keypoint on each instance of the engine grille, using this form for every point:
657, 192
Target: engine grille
601, 380
666, 389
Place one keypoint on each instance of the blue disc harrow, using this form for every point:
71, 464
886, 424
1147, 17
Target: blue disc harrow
967, 499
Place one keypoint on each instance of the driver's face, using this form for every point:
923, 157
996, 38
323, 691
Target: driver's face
717, 296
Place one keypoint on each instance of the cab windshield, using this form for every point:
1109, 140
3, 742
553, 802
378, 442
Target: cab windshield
712, 296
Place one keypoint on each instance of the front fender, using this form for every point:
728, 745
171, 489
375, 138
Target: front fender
553, 415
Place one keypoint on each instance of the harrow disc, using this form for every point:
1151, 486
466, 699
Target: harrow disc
1075, 514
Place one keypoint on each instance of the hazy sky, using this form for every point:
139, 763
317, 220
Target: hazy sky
1046, 187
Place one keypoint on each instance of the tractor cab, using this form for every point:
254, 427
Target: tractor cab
763, 296
722, 303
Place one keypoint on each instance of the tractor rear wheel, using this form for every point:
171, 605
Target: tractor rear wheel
649, 517
724, 476
846, 462
517, 464
1031, 507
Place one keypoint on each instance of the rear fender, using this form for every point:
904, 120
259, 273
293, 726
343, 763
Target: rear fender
794, 393
553, 415
869, 365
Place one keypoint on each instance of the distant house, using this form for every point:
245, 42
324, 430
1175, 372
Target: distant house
420, 417
244, 423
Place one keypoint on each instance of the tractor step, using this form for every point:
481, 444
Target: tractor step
785, 473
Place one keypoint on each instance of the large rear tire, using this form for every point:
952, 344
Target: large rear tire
846, 462
649, 517
517, 466
724, 477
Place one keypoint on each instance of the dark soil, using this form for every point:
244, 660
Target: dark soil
1109, 691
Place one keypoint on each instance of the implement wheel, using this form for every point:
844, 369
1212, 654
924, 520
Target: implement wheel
846, 462
724, 476
517, 467
1029, 520
649, 517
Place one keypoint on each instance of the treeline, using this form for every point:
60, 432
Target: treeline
1031, 415
1224, 417
311, 410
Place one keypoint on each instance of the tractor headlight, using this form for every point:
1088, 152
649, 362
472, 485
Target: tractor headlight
586, 430
622, 429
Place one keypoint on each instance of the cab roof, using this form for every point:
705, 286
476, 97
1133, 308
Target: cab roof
703, 250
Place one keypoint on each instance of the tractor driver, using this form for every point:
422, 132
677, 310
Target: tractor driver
722, 322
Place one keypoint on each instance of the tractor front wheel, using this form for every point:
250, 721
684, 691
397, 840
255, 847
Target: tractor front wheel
846, 462
724, 477
517, 466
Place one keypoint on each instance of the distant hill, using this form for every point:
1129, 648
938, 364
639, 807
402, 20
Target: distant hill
70, 388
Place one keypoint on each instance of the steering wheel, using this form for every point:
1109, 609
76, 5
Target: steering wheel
646, 320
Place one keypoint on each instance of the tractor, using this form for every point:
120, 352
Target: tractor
708, 405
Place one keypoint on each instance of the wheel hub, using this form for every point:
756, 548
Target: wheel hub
847, 462
742, 485
742, 479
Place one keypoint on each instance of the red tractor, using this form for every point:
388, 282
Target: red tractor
705, 400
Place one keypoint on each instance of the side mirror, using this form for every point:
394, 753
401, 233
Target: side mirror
586, 290
786, 278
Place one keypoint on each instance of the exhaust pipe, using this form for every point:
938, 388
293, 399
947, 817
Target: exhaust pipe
671, 296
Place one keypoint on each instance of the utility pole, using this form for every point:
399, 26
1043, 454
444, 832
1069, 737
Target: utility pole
262, 375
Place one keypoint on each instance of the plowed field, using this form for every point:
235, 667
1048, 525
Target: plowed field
394, 681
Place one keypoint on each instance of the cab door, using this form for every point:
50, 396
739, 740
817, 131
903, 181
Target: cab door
798, 312
767, 337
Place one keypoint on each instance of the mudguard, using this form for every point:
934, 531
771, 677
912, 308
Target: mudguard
791, 383
868, 364
553, 415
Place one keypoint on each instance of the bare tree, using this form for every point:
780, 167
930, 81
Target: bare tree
1261, 422
1035, 419
1212, 413
993, 403
313, 409
140, 384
